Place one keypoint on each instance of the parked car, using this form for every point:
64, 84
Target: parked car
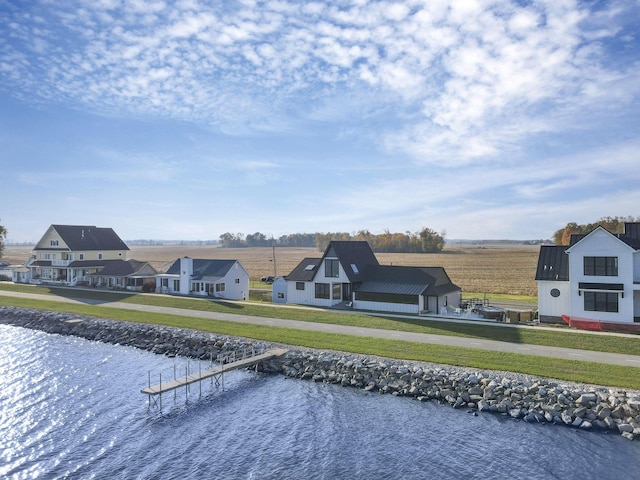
267, 279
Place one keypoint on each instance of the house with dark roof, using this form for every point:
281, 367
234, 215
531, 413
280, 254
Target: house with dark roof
69, 254
226, 279
349, 274
595, 278
130, 274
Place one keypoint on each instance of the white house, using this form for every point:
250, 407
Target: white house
595, 278
349, 274
68, 254
206, 278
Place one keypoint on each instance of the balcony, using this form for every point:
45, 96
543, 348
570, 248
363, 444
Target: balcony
60, 263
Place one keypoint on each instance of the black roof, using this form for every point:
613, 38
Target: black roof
89, 237
352, 253
407, 280
553, 263
203, 267
305, 271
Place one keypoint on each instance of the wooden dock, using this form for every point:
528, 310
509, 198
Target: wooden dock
245, 362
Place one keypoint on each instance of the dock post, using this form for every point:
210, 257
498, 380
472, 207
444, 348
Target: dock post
160, 393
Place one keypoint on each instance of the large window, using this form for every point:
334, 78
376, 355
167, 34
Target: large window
600, 301
387, 298
331, 267
299, 285
220, 287
322, 290
601, 266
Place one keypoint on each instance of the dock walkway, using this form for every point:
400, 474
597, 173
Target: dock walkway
234, 364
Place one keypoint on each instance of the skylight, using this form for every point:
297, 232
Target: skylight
354, 268
309, 267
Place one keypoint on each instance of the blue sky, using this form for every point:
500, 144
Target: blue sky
188, 119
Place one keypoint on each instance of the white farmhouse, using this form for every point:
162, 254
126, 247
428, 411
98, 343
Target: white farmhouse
349, 274
596, 278
206, 278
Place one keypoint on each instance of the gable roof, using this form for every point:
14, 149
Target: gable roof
351, 253
627, 239
305, 270
204, 269
126, 268
407, 280
553, 263
88, 237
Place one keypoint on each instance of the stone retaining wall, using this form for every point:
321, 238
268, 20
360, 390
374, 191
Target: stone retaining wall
518, 396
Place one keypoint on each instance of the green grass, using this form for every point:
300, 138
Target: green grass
584, 372
561, 338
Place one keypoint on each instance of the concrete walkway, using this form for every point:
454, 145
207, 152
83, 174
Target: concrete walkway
478, 343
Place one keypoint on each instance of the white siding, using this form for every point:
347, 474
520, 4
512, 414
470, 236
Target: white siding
600, 243
386, 307
550, 306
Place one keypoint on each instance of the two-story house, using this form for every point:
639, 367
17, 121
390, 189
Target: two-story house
593, 283
349, 274
68, 254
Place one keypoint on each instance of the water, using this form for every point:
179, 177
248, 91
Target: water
70, 408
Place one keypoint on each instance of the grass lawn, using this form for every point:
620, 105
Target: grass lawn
585, 372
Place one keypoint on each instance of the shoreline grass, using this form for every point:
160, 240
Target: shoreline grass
566, 370
560, 337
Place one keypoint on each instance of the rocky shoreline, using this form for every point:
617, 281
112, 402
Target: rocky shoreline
518, 396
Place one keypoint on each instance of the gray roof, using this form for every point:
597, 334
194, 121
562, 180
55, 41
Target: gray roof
126, 268
407, 280
204, 269
305, 270
89, 237
553, 263
373, 277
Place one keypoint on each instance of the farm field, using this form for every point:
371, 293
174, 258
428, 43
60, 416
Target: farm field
491, 269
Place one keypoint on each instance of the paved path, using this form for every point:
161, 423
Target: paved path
479, 343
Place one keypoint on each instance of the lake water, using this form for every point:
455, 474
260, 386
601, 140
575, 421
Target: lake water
71, 408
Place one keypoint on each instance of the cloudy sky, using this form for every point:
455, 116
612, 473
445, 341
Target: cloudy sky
188, 119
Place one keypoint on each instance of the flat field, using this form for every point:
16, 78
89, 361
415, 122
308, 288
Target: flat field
494, 269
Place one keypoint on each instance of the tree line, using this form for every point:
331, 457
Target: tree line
424, 241
612, 224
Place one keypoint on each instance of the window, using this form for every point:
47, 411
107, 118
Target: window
555, 293
331, 267
81, 256
176, 285
337, 291
164, 282
100, 256
299, 285
601, 266
308, 268
322, 290
237, 280
54, 243
387, 298
600, 301
280, 295
354, 267
220, 287
195, 287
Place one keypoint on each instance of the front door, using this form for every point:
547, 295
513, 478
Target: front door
346, 292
